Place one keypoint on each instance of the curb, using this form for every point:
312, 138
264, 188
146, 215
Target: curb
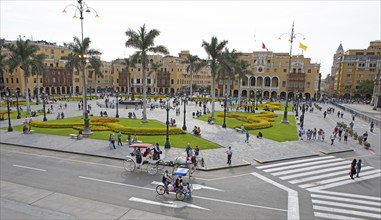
336, 152
291, 158
117, 158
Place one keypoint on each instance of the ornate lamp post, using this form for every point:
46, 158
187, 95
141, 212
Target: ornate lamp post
224, 124
185, 103
292, 36
7, 94
43, 97
167, 107
83, 7
17, 103
297, 105
117, 103
90, 92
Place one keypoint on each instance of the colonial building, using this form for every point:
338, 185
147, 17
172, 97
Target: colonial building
354, 66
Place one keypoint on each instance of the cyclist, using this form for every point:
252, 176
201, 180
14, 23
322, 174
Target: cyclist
166, 180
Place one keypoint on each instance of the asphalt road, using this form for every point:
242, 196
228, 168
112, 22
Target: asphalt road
231, 194
283, 190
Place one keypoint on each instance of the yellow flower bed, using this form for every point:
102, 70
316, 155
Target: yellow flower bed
40, 124
93, 128
258, 121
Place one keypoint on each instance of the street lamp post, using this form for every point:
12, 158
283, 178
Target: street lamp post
90, 92
292, 36
83, 7
9, 112
297, 105
17, 103
117, 103
167, 107
224, 124
185, 103
44, 106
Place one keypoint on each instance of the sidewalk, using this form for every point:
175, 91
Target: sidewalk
258, 151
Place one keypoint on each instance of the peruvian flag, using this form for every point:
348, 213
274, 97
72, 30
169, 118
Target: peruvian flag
264, 46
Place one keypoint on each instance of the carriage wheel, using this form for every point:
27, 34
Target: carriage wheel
152, 169
160, 189
129, 164
180, 195
160, 164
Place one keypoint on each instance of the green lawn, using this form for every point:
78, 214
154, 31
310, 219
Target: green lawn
177, 141
278, 132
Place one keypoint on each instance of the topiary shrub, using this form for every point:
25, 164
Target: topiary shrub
366, 145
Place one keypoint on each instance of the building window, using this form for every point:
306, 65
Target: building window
7, 80
275, 70
62, 51
349, 76
34, 80
11, 80
52, 51
308, 85
138, 81
309, 71
360, 76
76, 80
148, 81
349, 70
285, 70
348, 82
172, 82
283, 83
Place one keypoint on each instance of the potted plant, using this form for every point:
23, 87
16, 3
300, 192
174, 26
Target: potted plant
367, 145
360, 139
355, 135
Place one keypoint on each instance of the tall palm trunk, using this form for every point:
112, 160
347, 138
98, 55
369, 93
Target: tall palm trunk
27, 94
73, 92
239, 92
38, 89
191, 84
144, 87
213, 95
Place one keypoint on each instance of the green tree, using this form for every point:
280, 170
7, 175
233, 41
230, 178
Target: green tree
38, 68
94, 68
242, 68
127, 64
144, 41
155, 66
194, 66
214, 50
365, 87
21, 55
73, 64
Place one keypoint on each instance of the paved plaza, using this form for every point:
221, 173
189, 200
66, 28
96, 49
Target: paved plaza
257, 151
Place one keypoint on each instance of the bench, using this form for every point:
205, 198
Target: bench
76, 136
28, 132
240, 130
136, 141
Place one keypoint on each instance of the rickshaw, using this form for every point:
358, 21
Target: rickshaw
182, 193
131, 162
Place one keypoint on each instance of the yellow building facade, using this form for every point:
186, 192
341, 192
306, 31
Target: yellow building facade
355, 66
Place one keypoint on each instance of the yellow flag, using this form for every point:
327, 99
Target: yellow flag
302, 46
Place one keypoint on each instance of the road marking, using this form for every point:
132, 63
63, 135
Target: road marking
193, 196
346, 199
31, 168
194, 186
344, 182
293, 200
302, 165
325, 175
310, 168
346, 211
313, 172
294, 162
349, 206
346, 177
332, 216
346, 194
60, 158
171, 204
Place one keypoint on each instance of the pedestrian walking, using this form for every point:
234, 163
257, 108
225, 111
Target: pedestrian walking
129, 139
351, 125
365, 136
247, 136
352, 168
301, 133
322, 135
325, 114
112, 140
187, 150
353, 116
371, 126
229, 152
332, 137
120, 138
358, 168
196, 151
346, 137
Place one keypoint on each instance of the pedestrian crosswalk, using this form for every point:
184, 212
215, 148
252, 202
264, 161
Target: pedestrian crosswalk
321, 173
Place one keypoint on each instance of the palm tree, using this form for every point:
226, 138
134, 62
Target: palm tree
228, 66
192, 60
82, 50
155, 66
241, 71
21, 55
127, 64
94, 67
38, 68
143, 41
73, 63
214, 50
2, 70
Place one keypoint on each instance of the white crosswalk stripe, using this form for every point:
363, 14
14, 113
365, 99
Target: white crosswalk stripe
319, 174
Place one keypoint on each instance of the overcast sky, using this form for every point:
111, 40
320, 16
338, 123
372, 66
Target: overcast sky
183, 25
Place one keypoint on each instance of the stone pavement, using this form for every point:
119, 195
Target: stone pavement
258, 151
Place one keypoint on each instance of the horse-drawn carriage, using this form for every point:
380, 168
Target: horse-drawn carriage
138, 159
